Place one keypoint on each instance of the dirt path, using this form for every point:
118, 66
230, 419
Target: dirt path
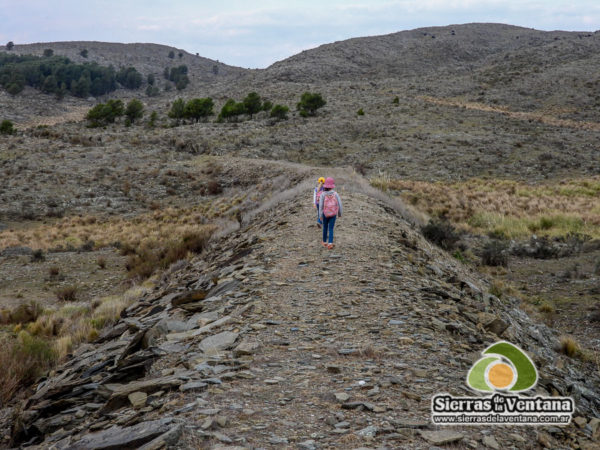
353, 322
519, 115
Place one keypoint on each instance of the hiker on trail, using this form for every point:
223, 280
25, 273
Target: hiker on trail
316, 195
330, 208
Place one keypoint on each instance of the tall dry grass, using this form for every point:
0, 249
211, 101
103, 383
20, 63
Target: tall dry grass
147, 230
51, 335
504, 207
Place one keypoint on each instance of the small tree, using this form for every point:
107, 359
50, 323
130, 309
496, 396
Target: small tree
153, 119
48, 52
6, 127
231, 110
129, 77
102, 114
135, 110
177, 110
198, 108
152, 91
309, 103
182, 83
279, 112
10, 45
267, 105
84, 53
252, 103
150, 79
180, 55
171, 54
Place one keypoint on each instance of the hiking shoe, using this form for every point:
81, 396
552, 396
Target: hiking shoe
318, 224
330, 246
324, 244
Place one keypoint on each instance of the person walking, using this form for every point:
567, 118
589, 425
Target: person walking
316, 195
330, 208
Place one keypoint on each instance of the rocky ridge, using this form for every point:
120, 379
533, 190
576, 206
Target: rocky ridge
268, 340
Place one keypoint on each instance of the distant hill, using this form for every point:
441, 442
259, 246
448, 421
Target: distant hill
146, 58
454, 48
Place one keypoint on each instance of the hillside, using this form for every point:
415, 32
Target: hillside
270, 340
426, 52
146, 58
167, 275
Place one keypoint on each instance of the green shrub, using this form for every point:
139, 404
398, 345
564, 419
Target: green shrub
231, 110
279, 112
360, 112
309, 103
129, 78
198, 108
252, 103
134, 110
177, 110
7, 127
84, 53
267, 105
102, 114
396, 100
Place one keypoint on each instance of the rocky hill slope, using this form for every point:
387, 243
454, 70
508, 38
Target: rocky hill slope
146, 58
268, 340
425, 51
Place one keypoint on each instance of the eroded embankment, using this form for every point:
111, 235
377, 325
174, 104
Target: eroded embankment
269, 340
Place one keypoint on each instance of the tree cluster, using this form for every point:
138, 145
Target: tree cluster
250, 105
59, 75
177, 75
129, 78
195, 109
105, 113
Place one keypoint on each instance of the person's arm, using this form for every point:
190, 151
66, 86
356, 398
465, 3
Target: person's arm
315, 197
321, 199
340, 204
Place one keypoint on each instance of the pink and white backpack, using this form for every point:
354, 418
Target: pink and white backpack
330, 204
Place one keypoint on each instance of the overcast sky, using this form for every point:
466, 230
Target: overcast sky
257, 33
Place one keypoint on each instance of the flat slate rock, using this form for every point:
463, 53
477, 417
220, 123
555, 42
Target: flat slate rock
117, 437
441, 437
217, 342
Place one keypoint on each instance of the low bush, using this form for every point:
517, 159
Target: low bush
442, 233
67, 294
144, 262
7, 127
23, 360
495, 253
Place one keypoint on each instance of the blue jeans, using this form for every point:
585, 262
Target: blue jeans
328, 224
318, 216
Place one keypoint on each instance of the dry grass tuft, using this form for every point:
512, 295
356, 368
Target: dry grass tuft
67, 294
569, 346
51, 335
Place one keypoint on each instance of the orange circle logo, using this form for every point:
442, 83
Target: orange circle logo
501, 375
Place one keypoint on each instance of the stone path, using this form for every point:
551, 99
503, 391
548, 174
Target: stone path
272, 341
